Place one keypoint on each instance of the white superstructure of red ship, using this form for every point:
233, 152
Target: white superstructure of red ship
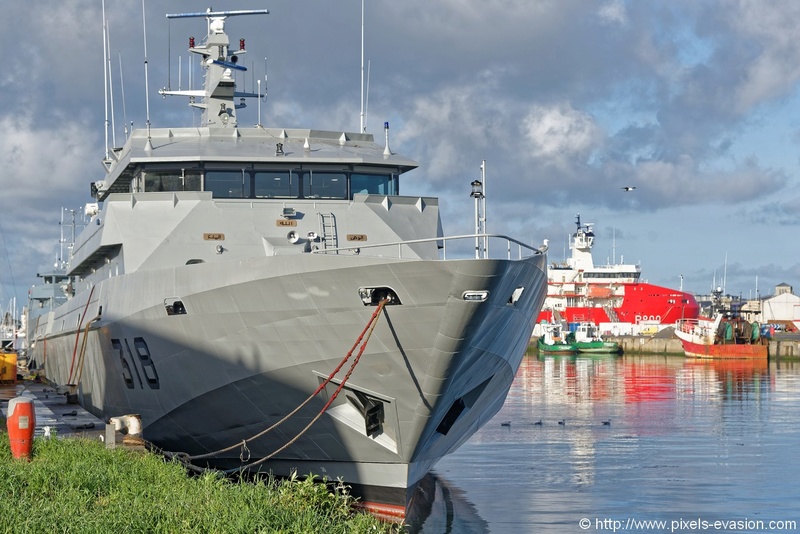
580, 291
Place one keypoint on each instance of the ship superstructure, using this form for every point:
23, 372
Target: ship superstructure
581, 291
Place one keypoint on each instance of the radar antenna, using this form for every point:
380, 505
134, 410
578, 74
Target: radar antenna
220, 100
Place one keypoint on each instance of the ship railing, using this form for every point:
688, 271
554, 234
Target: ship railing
693, 326
512, 248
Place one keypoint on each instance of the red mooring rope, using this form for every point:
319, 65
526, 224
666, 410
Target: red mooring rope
368, 329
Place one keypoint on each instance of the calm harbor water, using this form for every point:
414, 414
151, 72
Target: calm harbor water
649, 443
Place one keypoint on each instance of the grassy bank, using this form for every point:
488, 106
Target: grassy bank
77, 485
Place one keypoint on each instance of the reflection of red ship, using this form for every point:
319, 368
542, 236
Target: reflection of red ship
739, 370
648, 379
579, 290
738, 379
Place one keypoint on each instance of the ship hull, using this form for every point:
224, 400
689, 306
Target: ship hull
557, 348
597, 347
634, 303
724, 351
260, 336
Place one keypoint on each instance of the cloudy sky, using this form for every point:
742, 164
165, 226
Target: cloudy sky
695, 103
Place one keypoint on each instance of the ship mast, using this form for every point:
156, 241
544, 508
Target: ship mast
219, 92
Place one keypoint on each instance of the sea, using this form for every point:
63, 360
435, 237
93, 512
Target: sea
630, 443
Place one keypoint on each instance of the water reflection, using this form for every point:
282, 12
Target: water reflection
605, 435
635, 379
731, 380
444, 509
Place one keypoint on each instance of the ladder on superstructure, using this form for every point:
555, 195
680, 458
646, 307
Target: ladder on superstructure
612, 315
327, 229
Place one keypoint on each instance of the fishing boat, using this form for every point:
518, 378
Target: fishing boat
589, 340
266, 300
724, 337
554, 339
581, 291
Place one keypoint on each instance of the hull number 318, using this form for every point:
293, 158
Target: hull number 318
138, 368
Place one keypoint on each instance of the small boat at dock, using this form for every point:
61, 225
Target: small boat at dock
555, 340
589, 340
723, 337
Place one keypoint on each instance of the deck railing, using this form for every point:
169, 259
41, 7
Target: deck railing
696, 327
511, 245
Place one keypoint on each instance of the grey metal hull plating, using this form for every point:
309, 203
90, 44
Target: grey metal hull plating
260, 335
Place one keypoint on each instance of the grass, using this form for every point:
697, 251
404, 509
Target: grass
77, 485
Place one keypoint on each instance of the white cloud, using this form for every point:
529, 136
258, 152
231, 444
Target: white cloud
50, 161
561, 135
613, 13
774, 66
453, 129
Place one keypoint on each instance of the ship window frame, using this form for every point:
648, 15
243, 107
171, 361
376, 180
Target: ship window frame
366, 181
301, 178
176, 174
294, 183
245, 179
327, 186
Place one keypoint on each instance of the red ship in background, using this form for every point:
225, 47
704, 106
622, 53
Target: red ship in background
580, 291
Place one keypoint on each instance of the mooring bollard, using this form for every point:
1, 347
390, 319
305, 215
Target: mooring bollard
21, 425
110, 437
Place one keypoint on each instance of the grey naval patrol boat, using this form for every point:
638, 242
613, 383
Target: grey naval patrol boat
226, 273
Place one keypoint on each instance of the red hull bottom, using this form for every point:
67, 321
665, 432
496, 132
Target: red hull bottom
388, 513
730, 352
417, 509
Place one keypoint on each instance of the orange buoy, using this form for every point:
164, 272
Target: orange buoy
21, 424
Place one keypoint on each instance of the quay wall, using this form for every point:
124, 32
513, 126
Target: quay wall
778, 347
648, 344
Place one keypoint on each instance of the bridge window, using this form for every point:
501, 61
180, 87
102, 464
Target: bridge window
285, 183
172, 181
279, 184
325, 185
375, 184
228, 184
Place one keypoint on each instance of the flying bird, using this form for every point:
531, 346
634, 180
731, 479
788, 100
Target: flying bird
628, 188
